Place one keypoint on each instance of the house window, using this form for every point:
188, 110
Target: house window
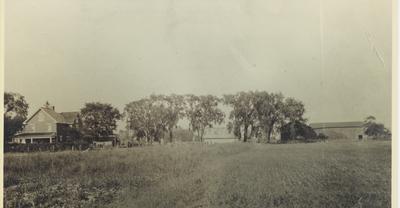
49, 127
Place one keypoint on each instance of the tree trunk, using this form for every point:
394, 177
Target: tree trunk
198, 135
245, 133
269, 134
251, 131
270, 128
149, 140
171, 136
201, 135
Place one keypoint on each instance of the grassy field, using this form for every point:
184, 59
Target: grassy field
334, 174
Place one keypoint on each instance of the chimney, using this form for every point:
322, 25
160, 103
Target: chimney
48, 106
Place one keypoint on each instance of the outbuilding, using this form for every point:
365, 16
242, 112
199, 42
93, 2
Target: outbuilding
218, 135
340, 130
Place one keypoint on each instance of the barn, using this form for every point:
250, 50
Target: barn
218, 135
340, 130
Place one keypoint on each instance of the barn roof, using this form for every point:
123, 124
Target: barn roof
337, 125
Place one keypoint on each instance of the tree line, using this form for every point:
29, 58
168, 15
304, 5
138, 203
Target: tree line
253, 114
156, 116
259, 113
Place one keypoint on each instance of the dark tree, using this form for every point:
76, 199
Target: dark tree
243, 113
261, 113
297, 131
235, 129
293, 110
173, 110
138, 118
270, 109
203, 112
374, 129
152, 117
99, 119
15, 113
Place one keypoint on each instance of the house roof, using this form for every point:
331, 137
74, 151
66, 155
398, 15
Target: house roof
69, 117
64, 117
337, 125
56, 116
217, 133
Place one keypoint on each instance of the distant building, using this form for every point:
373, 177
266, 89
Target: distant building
181, 135
107, 141
48, 126
218, 135
340, 130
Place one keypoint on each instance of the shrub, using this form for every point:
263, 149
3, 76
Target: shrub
322, 136
297, 131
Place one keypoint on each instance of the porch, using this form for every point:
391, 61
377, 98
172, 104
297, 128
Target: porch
35, 138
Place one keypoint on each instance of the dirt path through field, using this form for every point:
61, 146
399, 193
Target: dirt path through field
197, 188
214, 170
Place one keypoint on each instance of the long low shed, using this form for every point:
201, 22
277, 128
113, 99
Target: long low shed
340, 130
218, 135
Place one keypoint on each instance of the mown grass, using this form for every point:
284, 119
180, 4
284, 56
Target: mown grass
346, 174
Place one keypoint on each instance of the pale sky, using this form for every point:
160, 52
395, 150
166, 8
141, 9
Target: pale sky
334, 55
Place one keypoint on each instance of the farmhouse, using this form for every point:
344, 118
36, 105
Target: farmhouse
218, 135
340, 130
48, 126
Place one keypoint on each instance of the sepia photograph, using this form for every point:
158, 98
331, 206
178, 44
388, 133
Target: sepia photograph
198, 103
